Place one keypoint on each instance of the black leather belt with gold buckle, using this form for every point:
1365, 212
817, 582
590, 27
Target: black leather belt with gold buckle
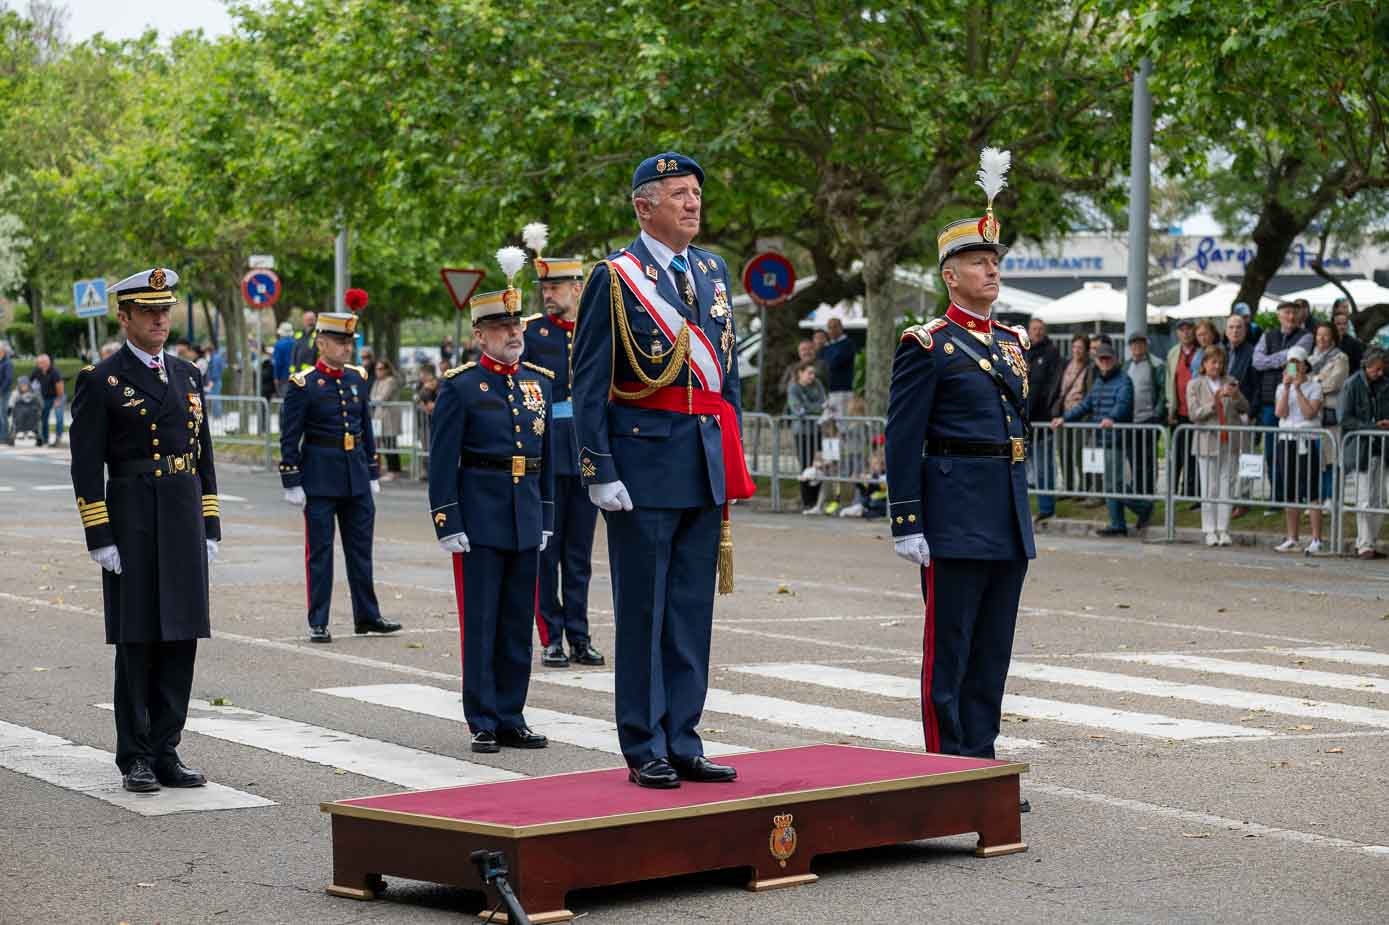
1015, 450
180, 464
346, 442
516, 465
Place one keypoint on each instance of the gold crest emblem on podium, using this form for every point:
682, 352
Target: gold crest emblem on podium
783, 839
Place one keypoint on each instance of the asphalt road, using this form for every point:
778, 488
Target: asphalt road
1205, 728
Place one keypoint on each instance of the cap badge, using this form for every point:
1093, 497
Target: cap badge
157, 279
661, 165
989, 229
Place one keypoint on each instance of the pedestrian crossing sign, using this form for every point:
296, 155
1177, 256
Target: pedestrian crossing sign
89, 298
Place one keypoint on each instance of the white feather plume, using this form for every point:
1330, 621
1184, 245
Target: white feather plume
993, 170
511, 260
536, 235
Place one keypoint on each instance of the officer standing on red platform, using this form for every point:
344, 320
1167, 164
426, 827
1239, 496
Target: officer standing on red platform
657, 410
328, 466
147, 495
956, 474
491, 491
566, 563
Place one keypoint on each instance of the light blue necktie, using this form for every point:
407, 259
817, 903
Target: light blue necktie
680, 266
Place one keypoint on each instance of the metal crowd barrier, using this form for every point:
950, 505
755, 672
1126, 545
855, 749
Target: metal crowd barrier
760, 451
840, 448
1360, 486
1252, 466
410, 444
1122, 463
241, 420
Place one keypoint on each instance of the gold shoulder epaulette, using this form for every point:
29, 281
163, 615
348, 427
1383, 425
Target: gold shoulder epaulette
540, 369
300, 378
88, 368
360, 370
1019, 332
921, 333
527, 319
450, 373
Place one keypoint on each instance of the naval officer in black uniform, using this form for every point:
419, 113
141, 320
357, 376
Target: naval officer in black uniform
491, 492
566, 563
328, 466
147, 495
956, 475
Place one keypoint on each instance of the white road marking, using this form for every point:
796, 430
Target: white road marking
1200, 693
92, 772
1153, 725
67, 487
1280, 673
6, 488
396, 764
1236, 827
1349, 656
583, 731
230, 497
1159, 624
820, 718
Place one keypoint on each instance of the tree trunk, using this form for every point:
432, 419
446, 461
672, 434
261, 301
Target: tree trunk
241, 363
1273, 236
880, 310
34, 297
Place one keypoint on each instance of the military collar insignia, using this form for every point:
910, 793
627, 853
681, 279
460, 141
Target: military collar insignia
700, 263
544, 332
651, 272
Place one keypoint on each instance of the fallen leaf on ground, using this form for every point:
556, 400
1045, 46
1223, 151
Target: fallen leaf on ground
1303, 727
414, 645
1196, 835
1122, 606
39, 668
220, 702
144, 883
1336, 751
1099, 737
784, 589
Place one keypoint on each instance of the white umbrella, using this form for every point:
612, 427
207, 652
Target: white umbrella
1365, 291
1095, 301
1215, 304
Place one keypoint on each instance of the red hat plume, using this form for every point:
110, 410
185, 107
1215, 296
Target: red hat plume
356, 299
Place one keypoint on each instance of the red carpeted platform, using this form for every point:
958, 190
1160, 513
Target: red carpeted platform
594, 828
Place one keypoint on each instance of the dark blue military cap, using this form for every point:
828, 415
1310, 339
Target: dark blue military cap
669, 164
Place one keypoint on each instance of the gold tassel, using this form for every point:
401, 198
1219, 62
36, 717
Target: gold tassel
725, 554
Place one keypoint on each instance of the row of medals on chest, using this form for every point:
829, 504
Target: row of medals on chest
531, 396
719, 310
1012, 354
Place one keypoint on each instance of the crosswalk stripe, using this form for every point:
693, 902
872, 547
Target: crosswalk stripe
583, 731
396, 764
1200, 693
92, 772
1348, 656
833, 720
1154, 725
6, 488
1281, 673
52, 487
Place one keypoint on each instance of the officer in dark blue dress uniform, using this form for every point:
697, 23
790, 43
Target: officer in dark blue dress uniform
147, 495
328, 466
566, 563
656, 408
491, 491
957, 481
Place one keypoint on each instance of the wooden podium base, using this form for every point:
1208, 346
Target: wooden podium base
594, 828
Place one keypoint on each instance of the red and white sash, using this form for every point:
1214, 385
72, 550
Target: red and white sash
703, 359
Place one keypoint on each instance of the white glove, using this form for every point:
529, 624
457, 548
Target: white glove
109, 558
375, 486
610, 496
455, 542
295, 496
545, 538
914, 548
211, 551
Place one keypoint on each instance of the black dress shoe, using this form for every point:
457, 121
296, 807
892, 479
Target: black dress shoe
174, 774
375, 626
1024, 807
581, 653
1111, 531
1143, 521
521, 737
554, 656
140, 778
485, 742
656, 773
704, 771
320, 634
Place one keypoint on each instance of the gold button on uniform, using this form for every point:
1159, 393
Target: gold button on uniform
154, 427
518, 428
518, 444
156, 457
911, 518
154, 442
636, 430
899, 520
